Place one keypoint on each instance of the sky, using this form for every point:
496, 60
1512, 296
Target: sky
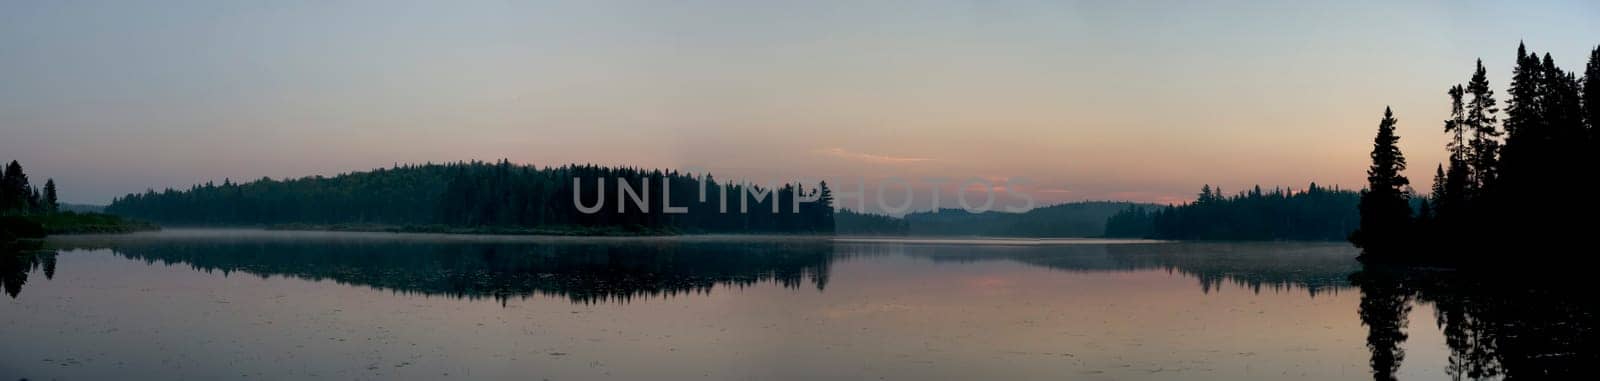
1141, 101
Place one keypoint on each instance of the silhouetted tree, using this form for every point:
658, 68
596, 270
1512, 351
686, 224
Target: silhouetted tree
1591, 94
1480, 117
1483, 197
1385, 206
15, 194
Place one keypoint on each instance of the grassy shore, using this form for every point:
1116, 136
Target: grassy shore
40, 225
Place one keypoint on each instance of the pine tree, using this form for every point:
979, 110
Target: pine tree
1457, 124
1385, 206
1457, 178
51, 203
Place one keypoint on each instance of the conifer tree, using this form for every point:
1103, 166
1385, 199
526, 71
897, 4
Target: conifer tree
1484, 148
1385, 205
51, 203
15, 192
1438, 190
1591, 95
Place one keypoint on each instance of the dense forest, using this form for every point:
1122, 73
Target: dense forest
857, 223
1073, 219
1314, 214
1486, 198
500, 194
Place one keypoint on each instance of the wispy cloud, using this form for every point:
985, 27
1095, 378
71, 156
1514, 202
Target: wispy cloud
870, 158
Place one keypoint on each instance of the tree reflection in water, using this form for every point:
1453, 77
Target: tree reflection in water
582, 271
1496, 325
17, 259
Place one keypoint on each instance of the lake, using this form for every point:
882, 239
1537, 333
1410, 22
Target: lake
230, 304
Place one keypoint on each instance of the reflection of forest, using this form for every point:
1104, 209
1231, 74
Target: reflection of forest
1315, 268
1496, 325
583, 272
619, 270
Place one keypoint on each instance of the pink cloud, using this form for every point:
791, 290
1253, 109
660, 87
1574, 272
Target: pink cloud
867, 157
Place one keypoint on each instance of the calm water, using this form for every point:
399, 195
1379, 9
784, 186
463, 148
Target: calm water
276, 305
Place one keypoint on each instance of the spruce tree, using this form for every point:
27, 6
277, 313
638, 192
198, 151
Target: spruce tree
1457, 178
51, 203
1484, 148
1385, 206
14, 190
1591, 95
1525, 125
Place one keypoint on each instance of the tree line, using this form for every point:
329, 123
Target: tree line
1315, 213
1071, 219
847, 221
498, 194
1488, 194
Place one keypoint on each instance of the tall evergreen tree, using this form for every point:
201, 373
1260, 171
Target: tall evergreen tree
1591, 95
1480, 117
15, 192
1523, 114
1457, 179
51, 203
1437, 192
1456, 126
1385, 205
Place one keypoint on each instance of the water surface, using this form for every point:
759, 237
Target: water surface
280, 305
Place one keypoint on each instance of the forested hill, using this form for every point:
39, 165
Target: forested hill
501, 194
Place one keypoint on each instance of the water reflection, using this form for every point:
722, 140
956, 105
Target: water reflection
619, 270
584, 272
1314, 268
1492, 326
18, 259
1496, 325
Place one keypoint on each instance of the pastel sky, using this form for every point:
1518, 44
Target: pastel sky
1141, 101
